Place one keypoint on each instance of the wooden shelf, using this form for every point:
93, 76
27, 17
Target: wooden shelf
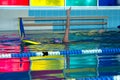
64, 18
63, 24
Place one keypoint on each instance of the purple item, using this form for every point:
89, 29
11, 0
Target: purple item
57, 40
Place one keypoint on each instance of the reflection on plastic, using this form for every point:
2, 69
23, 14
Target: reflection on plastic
47, 63
14, 65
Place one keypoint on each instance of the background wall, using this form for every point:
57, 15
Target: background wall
113, 16
9, 21
9, 18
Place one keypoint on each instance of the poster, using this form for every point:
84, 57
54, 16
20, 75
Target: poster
81, 2
109, 2
14, 2
47, 3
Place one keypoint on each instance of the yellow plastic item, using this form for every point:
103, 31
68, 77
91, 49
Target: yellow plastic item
31, 42
47, 63
47, 2
47, 47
